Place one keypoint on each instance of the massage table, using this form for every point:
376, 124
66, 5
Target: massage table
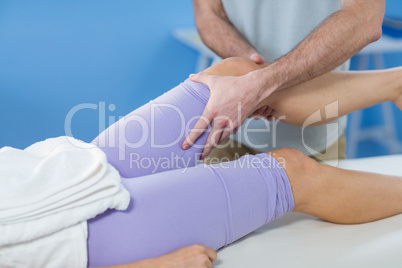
299, 240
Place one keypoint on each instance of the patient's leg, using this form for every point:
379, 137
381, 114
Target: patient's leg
346, 91
148, 140
212, 205
351, 90
339, 195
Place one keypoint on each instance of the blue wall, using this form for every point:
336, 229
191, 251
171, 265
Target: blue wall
55, 55
372, 116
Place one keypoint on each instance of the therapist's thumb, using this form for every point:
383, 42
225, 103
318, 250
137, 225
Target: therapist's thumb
201, 77
257, 58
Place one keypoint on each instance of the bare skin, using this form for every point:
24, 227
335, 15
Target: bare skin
328, 46
338, 195
348, 91
332, 194
195, 256
354, 90
219, 33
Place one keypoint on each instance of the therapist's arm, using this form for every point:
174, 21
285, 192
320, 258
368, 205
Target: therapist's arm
338, 38
219, 34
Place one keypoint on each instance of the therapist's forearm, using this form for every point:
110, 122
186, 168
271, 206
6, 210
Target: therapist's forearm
337, 39
217, 32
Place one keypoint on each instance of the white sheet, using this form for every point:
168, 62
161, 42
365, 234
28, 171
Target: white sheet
299, 240
47, 192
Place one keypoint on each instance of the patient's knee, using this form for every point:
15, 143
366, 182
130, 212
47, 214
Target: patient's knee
291, 159
302, 173
234, 66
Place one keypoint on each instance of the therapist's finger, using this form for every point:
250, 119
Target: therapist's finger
213, 138
228, 130
224, 136
271, 118
234, 131
269, 110
257, 112
263, 112
199, 128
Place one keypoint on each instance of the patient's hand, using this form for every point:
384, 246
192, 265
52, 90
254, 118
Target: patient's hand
195, 256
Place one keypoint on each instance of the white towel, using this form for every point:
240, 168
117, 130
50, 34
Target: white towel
52, 185
66, 248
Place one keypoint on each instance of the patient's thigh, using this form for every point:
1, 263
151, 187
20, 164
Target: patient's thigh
148, 140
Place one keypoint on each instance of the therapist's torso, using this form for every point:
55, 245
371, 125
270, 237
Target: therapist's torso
274, 28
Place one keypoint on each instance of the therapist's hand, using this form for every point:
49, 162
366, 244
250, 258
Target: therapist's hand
232, 100
263, 112
258, 58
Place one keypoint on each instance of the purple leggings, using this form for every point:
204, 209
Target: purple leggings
176, 203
